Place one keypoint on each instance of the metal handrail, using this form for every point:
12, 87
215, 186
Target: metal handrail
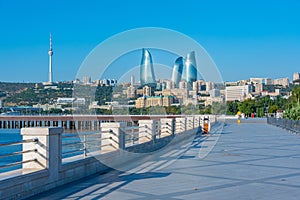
35, 140
80, 135
17, 153
17, 163
73, 151
71, 143
18, 142
85, 142
84, 149
289, 124
132, 128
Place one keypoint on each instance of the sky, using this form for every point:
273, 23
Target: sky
251, 38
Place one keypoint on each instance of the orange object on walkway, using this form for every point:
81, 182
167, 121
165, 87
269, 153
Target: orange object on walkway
205, 125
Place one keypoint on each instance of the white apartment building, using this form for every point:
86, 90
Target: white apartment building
239, 93
266, 81
210, 86
257, 80
282, 81
296, 76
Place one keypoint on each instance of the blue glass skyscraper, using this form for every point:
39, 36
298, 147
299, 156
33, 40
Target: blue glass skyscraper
147, 76
177, 71
191, 71
185, 69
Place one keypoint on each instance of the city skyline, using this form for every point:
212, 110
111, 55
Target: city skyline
257, 39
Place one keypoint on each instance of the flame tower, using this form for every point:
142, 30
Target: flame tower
147, 76
50, 53
177, 71
191, 71
185, 69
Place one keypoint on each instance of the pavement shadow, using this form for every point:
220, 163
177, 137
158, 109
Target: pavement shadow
98, 185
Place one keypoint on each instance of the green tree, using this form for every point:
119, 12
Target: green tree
218, 108
296, 95
273, 109
232, 108
292, 113
247, 106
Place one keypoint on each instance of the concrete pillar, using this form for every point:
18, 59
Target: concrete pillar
113, 136
147, 130
48, 154
180, 125
166, 127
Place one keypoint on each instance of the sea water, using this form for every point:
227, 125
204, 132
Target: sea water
10, 135
14, 135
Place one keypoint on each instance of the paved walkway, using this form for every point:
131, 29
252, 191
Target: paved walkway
249, 161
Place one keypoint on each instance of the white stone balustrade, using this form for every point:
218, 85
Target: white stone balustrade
48, 154
189, 123
113, 136
147, 130
180, 125
166, 127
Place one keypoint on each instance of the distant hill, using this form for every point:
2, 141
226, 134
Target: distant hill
7, 88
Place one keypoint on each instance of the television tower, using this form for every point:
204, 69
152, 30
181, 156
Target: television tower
50, 53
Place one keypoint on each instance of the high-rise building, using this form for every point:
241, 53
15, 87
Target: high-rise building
239, 93
87, 80
214, 93
131, 92
259, 87
132, 80
190, 72
210, 85
185, 69
169, 85
183, 85
257, 80
269, 81
282, 81
147, 91
196, 86
147, 76
177, 71
296, 76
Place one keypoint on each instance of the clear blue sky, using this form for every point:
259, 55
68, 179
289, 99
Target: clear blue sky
251, 38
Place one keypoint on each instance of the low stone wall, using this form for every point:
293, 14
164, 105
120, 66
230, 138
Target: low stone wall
50, 172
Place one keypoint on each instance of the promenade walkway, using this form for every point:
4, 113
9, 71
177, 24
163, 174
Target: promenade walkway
249, 161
